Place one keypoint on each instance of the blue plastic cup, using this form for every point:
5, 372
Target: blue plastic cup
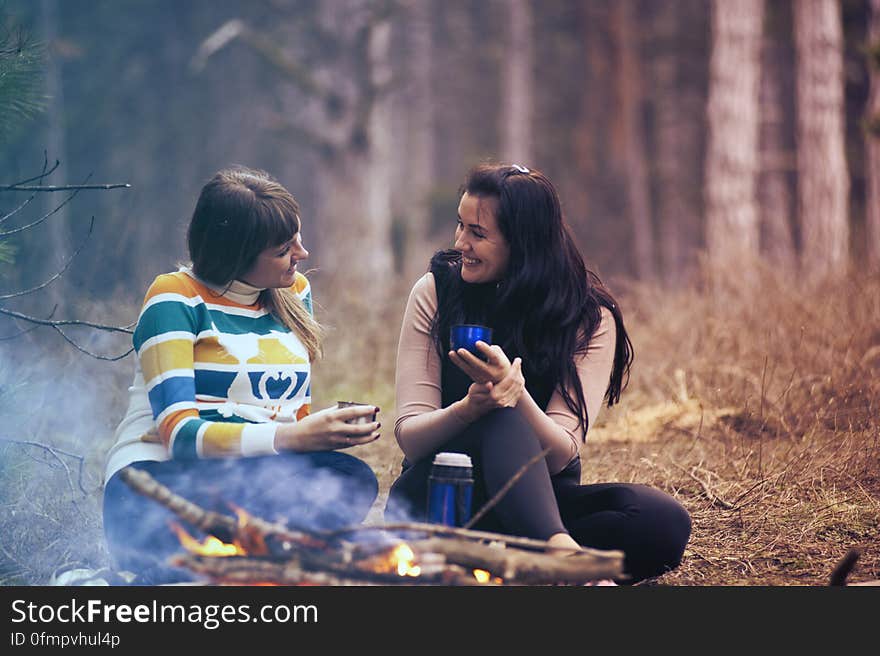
466, 336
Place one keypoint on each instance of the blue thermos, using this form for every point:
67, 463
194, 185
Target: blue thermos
450, 488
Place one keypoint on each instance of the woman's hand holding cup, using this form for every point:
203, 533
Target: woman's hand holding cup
484, 397
330, 429
494, 368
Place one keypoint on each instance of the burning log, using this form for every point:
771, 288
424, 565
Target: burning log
245, 570
252, 533
277, 554
526, 567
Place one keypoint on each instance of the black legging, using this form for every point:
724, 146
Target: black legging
313, 491
648, 525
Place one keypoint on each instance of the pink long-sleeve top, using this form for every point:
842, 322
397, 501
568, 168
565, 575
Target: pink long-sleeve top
422, 426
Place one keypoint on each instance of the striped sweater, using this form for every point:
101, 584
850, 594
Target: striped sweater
218, 371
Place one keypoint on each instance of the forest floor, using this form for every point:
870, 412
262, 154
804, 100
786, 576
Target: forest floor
757, 407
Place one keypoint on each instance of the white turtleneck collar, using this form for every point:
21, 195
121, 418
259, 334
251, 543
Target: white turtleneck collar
237, 291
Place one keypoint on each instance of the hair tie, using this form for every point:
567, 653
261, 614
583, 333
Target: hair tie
520, 168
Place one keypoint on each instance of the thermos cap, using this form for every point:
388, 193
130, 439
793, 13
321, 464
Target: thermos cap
449, 459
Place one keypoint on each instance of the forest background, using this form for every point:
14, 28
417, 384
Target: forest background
717, 161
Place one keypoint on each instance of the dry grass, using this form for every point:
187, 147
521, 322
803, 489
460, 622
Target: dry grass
758, 407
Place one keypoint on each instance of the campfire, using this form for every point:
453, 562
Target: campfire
249, 550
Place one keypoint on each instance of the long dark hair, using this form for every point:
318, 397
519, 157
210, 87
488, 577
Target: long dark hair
241, 212
548, 303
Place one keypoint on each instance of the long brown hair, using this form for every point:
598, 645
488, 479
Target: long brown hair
241, 212
549, 302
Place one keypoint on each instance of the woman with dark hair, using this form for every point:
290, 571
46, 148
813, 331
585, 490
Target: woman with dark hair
220, 408
560, 348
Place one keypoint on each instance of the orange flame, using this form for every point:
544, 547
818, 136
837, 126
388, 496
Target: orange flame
403, 556
210, 546
483, 576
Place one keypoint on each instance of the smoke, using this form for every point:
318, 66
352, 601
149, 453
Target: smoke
58, 410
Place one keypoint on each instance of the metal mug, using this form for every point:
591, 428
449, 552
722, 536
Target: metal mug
466, 335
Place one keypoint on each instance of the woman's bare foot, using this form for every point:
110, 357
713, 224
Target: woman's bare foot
565, 544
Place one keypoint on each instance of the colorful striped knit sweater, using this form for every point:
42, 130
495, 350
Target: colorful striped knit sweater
219, 372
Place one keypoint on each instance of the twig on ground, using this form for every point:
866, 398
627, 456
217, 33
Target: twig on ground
54, 451
714, 498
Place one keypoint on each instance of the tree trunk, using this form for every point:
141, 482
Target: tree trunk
517, 87
354, 172
679, 115
872, 141
592, 143
354, 222
417, 157
775, 195
59, 232
732, 153
629, 85
823, 179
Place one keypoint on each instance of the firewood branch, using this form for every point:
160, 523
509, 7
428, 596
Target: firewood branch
527, 567
305, 553
252, 534
221, 526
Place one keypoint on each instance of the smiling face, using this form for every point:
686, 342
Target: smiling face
276, 266
485, 252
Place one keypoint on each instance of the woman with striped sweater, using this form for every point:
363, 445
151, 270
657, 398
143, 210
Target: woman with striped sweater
220, 407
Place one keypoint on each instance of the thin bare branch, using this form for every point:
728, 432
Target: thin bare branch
48, 282
18, 209
82, 349
264, 46
505, 488
18, 334
42, 175
44, 217
65, 322
50, 188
